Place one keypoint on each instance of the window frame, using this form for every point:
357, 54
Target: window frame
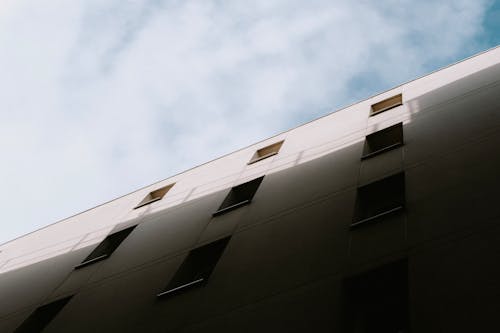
155, 195
400, 142
37, 321
227, 205
259, 155
363, 197
381, 292
379, 107
108, 245
186, 278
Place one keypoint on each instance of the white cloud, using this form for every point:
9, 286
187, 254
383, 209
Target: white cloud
100, 97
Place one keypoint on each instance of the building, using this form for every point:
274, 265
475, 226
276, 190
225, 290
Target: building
381, 217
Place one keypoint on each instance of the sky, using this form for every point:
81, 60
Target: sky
101, 97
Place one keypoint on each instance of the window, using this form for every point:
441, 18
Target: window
196, 268
239, 196
379, 198
106, 247
266, 152
383, 140
377, 301
42, 316
386, 104
156, 195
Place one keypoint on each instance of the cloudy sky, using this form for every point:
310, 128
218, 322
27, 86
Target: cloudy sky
101, 97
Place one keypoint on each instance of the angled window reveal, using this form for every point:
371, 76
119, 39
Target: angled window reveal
106, 247
196, 268
386, 104
42, 316
266, 152
383, 140
239, 196
377, 301
380, 198
156, 195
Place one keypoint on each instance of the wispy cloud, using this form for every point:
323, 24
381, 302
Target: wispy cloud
100, 97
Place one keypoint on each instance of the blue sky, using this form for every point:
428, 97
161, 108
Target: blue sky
101, 97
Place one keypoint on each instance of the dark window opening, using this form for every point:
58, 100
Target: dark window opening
106, 247
239, 196
154, 196
42, 316
196, 268
383, 140
377, 301
266, 152
380, 198
386, 104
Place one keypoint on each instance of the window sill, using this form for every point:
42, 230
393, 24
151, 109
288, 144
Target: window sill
175, 290
375, 217
147, 203
380, 151
230, 208
262, 158
91, 261
374, 113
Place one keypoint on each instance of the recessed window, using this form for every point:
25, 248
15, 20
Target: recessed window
386, 104
383, 140
239, 196
106, 247
154, 196
196, 268
377, 301
380, 198
42, 316
266, 152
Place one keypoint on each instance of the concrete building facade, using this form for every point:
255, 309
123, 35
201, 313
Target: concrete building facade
380, 217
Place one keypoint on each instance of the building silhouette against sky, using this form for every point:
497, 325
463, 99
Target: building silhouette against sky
380, 217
